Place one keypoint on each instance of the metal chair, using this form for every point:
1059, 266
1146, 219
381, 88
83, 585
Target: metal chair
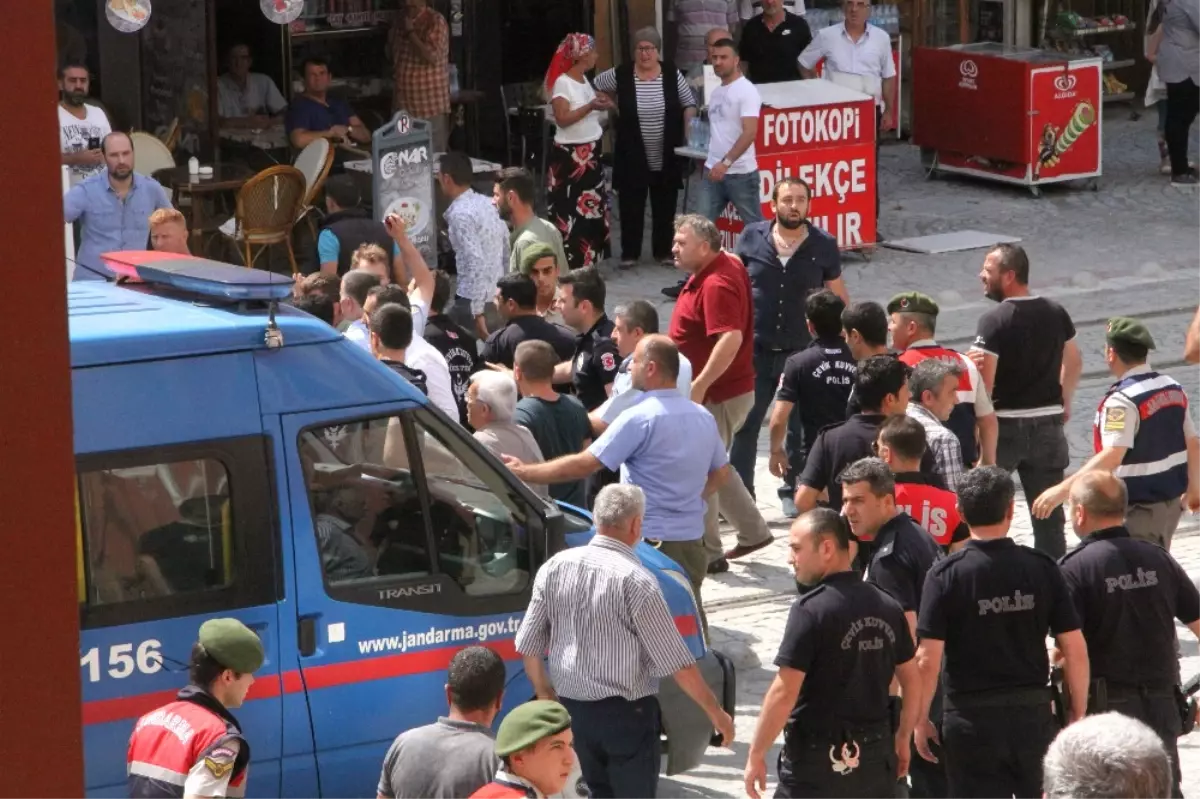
268, 207
314, 162
150, 154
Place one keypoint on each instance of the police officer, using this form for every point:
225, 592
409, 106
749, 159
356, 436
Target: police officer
1128, 593
882, 387
987, 609
901, 445
912, 322
595, 362
194, 746
534, 744
844, 642
1143, 434
814, 389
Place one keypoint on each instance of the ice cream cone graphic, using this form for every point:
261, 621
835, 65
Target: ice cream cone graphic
1083, 118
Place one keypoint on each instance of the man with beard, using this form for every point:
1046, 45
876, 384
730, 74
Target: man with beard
788, 259
81, 126
114, 206
1026, 352
513, 195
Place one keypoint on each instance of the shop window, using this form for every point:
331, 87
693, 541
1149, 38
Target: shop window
405, 509
163, 536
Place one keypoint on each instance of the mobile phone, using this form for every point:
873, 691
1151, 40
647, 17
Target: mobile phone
93, 143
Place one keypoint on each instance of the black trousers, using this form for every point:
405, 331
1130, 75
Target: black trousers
810, 769
1183, 103
1036, 449
1161, 714
631, 203
997, 751
618, 746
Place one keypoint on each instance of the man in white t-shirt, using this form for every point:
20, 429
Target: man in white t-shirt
81, 127
749, 9
733, 125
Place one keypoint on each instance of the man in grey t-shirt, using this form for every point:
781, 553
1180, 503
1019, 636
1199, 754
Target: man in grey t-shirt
455, 756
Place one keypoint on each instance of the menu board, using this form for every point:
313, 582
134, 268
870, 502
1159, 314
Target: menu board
174, 72
402, 152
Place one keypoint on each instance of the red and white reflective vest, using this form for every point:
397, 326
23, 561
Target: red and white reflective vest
166, 744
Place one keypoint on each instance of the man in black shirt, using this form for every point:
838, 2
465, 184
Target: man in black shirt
1025, 350
882, 385
787, 259
771, 44
454, 342
865, 329
987, 609
1128, 593
844, 642
813, 389
391, 333
595, 360
516, 298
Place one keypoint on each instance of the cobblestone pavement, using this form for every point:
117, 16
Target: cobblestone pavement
1131, 247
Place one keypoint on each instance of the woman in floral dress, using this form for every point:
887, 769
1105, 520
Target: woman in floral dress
576, 199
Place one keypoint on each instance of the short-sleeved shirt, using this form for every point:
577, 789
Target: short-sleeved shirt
1120, 429
460, 350
651, 108
1128, 593
448, 759
667, 445
560, 428
729, 105
535, 231
847, 636
836, 448
751, 8
1027, 336
1179, 53
577, 94
501, 346
993, 603
716, 300
110, 224
899, 558
781, 288
259, 96
305, 113
74, 134
595, 363
817, 379
772, 55
870, 57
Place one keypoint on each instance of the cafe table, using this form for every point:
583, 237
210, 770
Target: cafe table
226, 178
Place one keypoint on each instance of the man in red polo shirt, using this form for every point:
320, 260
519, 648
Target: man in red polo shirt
713, 326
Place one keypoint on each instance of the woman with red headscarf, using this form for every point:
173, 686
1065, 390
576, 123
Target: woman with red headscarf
576, 199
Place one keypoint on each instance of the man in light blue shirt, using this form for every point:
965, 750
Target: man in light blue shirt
114, 207
667, 445
632, 323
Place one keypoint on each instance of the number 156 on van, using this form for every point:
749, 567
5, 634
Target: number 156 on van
123, 661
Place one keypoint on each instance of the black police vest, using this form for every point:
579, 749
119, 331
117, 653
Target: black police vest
354, 227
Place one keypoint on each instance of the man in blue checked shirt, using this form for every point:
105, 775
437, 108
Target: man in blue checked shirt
667, 445
114, 207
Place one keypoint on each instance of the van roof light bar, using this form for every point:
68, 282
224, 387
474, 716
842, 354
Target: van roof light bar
198, 276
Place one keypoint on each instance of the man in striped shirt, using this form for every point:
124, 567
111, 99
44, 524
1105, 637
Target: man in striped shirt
601, 617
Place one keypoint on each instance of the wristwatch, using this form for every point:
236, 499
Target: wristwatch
726, 162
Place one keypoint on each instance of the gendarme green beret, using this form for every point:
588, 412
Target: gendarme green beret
232, 644
1129, 331
913, 302
534, 253
529, 723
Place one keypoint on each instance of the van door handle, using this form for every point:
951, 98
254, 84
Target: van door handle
306, 635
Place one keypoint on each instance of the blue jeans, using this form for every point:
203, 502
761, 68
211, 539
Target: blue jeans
768, 367
741, 190
618, 745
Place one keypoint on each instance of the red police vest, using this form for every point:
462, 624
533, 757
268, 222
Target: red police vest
168, 742
931, 507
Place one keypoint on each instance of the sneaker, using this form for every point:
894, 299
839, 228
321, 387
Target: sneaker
1188, 179
789, 507
1164, 168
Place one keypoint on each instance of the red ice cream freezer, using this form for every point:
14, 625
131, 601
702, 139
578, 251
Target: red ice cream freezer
1018, 116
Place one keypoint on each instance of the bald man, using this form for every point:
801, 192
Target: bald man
1128, 593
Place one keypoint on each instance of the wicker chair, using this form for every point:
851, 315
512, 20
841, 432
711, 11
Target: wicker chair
268, 207
314, 161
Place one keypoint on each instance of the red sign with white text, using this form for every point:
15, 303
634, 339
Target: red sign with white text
832, 147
